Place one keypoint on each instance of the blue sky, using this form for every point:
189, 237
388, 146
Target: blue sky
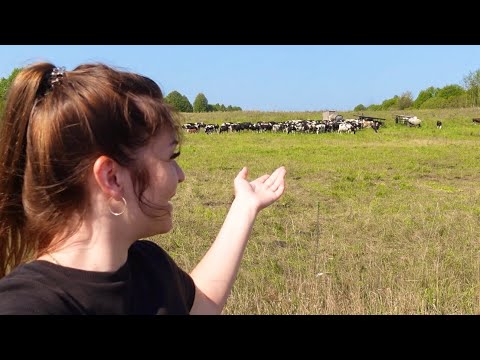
272, 77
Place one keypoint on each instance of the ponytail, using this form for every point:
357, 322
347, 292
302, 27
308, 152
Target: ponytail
28, 86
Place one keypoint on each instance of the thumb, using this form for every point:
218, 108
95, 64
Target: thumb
243, 173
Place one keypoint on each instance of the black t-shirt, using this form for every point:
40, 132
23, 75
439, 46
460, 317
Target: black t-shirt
148, 283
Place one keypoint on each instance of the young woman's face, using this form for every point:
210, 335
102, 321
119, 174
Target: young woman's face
165, 174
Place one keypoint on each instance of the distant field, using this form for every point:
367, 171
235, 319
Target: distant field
371, 223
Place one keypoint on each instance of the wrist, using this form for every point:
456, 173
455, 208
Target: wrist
244, 205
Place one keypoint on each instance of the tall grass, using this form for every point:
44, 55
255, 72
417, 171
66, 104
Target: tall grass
371, 223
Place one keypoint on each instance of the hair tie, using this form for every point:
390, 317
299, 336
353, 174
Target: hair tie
57, 74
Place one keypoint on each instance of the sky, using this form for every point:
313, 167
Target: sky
271, 77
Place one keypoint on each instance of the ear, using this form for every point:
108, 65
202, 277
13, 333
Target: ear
108, 176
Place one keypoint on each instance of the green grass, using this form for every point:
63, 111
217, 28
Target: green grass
371, 223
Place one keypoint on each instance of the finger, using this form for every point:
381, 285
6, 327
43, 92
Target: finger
278, 171
243, 173
277, 175
279, 191
261, 179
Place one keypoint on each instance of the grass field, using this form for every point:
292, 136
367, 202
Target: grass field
371, 223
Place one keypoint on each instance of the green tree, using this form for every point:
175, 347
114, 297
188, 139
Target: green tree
405, 100
200, 104
360, 107
458, 101
186, 105
449, 91
374, 107
5, 85
6, 82
222, 107
179, 102
435, 103
390, 104
215, 107
472, 86
424, 95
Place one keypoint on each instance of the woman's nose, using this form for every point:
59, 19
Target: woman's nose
180, 174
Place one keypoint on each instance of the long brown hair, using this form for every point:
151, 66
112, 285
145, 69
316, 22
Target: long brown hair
55, 124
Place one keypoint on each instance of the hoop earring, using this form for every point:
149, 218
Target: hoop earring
114, 212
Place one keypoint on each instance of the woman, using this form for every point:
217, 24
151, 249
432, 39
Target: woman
88, 168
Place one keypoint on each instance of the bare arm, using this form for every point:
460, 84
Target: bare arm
216, 272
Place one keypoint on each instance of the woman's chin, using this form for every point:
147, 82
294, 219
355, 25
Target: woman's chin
157, 229
165, 228
164, 225
160, 225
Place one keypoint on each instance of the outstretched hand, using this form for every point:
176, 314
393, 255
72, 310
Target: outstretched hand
262, 191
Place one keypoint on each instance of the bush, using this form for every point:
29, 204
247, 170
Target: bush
360, 107
200, 104
179, 102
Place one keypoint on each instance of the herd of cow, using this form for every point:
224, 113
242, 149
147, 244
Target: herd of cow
337, 124
289, 127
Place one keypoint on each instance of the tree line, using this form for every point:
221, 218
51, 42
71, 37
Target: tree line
450, 96
200, 104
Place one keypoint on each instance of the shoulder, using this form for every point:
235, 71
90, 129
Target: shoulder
145, 245
154, 264
34, 274
148, 249
150, 257
32, 288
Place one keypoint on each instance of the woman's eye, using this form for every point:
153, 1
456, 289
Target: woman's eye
175, 155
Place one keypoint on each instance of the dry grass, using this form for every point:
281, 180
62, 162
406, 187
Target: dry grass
383, 223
